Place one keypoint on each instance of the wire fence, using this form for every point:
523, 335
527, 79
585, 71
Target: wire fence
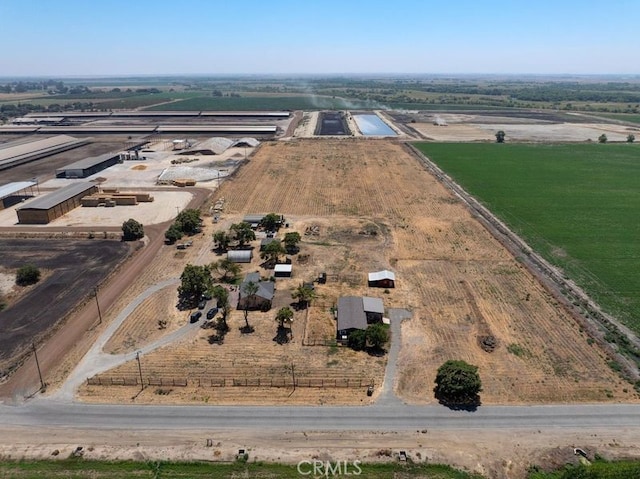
232, 382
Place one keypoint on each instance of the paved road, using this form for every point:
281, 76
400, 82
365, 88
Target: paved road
45, 412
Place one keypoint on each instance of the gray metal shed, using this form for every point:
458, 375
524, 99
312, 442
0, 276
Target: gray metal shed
240, 255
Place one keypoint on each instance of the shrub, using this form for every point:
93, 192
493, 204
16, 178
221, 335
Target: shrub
27, 274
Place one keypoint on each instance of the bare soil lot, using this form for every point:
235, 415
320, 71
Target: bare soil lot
456, 279
75, 268
519, 126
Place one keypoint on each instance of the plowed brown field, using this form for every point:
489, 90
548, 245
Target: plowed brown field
376, 207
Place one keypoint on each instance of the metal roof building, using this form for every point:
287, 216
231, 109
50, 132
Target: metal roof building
351, 313
9, 190
240, 255
46, 208
382, 279
88, 166
282, 270
22, 151
357, 312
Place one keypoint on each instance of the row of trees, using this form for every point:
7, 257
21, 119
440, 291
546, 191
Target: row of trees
500, 135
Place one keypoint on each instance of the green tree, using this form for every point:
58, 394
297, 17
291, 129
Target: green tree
284, 315
242, 233
222, 297
291, 241
270, 222
189, 221
500, 135
174, 233
458, 382
631, 138
357, 340
132, 230
249, 289
304, 294
194, 282
272, 252
221, 240
27, 274
228, 270
602, 138
377, 336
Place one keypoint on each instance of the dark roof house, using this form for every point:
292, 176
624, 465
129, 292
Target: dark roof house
357, 312
261, 299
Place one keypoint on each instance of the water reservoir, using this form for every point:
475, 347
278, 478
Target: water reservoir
372, 125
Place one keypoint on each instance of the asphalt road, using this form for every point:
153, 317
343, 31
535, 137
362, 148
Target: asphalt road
46, 412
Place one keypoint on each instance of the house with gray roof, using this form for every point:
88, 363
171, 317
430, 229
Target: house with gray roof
261, 299
357, 312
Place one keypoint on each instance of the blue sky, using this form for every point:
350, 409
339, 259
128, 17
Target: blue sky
116, 37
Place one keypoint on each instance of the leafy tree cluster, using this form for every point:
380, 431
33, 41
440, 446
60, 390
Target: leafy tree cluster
242, 233
194, 282
458, 382
272, 252
373, 338
291, 241
271, 222
132, 230
227, 269
52, 86
27, 274
584, 92
187, 222
284, 318
303, 294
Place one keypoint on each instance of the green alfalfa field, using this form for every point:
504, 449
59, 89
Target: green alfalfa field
576, 204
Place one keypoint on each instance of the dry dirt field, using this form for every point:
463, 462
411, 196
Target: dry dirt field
466, 127
70, 269
368, 204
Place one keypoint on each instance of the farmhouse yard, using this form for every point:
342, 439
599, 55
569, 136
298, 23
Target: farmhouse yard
368, 205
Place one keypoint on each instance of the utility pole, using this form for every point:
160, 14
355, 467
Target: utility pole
95, 293
35, 353
177, 211
139, 369
293, 375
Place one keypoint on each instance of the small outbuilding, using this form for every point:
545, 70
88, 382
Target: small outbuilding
282, 270
240, 255
382, 279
